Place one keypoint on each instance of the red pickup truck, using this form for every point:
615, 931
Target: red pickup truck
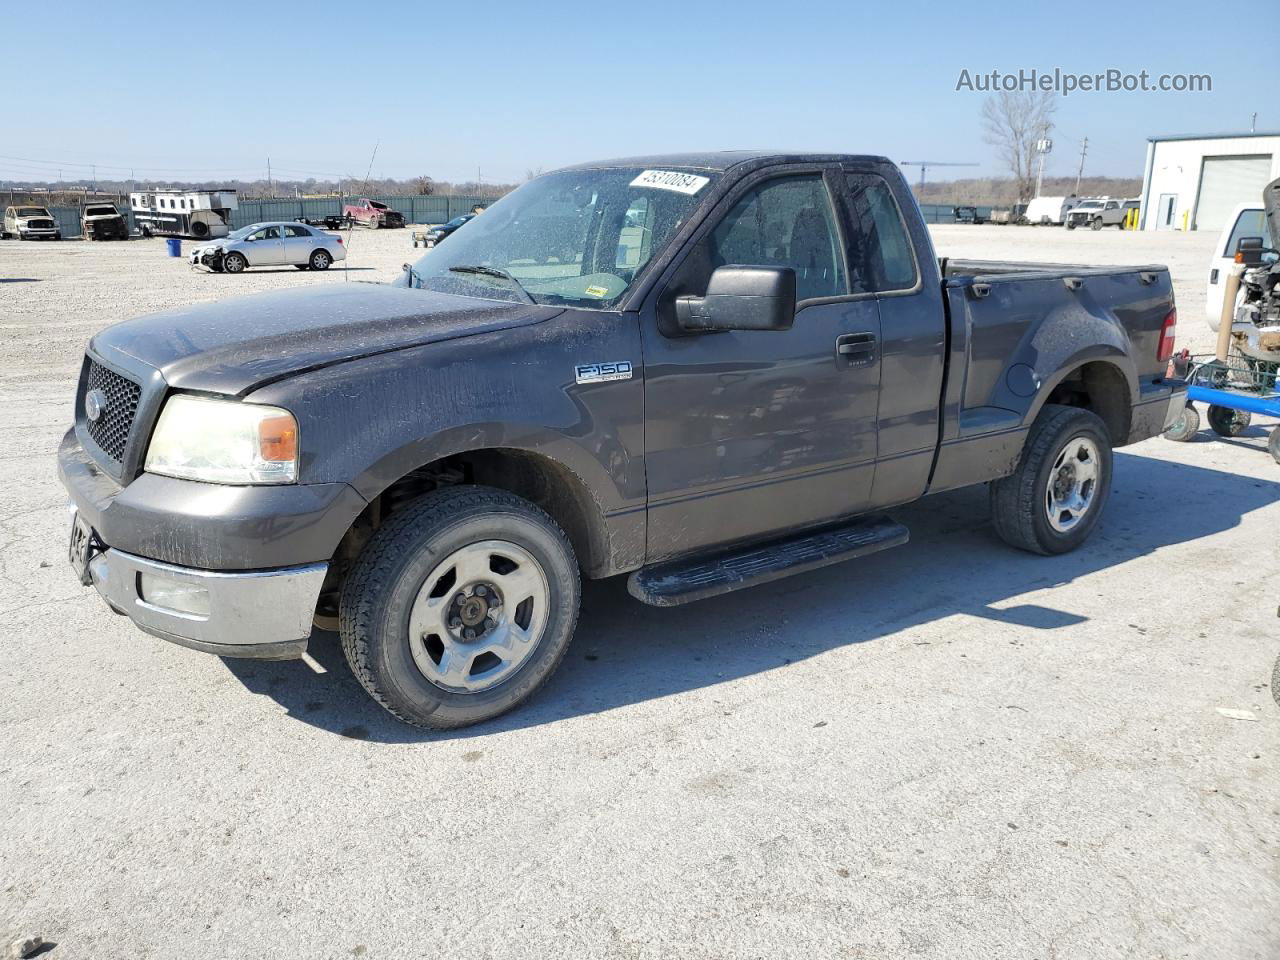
372, 214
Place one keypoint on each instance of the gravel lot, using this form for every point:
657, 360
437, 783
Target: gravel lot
956, 750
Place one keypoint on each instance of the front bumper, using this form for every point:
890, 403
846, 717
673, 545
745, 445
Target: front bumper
38, 233
262, 614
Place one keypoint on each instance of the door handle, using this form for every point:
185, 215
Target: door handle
1213, 275
857, 348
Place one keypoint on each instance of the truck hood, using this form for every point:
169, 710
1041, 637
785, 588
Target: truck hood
235, 346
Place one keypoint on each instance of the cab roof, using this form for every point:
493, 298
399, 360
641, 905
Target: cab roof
725, 159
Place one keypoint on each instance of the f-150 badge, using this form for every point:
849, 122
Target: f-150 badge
602, 372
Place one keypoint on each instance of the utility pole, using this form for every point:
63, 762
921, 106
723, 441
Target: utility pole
95, 179
271, 190
1253, 122
1084, 148
1043, 146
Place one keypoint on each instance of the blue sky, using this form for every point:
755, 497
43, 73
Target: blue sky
205, 90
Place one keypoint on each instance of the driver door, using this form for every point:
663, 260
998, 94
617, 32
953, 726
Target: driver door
750, 433
265, 247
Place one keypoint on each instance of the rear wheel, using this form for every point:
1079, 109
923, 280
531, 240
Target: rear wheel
234, 262
1185, 427
320, 260
460, 607
1226, 422
1053, 499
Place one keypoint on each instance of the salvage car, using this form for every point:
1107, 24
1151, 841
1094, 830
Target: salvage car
102, 221
271, 245
441, 230
29, 223
750, 360
1103, 212
372, 214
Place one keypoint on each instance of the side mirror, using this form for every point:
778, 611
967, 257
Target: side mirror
1249, 251
742, 298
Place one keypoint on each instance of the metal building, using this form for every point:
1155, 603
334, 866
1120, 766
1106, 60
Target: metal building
1194, 181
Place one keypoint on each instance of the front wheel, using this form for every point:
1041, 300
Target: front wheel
234, 262
1053, 499
460, 607
1096, 225
1071, 224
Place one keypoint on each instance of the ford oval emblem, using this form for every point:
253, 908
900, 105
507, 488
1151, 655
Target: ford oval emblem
95, 401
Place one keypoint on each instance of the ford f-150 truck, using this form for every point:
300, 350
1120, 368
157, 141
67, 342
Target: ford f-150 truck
738, 366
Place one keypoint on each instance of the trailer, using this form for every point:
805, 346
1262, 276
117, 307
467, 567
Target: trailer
1234, 389
198, 214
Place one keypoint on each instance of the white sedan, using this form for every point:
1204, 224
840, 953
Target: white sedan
271, 245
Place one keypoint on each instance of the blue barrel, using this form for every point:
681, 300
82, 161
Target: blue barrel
174, 245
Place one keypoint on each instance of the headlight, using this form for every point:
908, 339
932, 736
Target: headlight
224, 441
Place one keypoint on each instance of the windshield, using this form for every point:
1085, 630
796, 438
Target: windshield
577, 237
100, 212
1088, 205
32, 212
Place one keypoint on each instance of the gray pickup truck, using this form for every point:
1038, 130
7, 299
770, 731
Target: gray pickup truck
700, 371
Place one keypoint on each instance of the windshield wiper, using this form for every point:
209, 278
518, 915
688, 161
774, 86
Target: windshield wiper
494, 272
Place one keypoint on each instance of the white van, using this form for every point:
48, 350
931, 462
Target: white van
1248, 220
1050, 210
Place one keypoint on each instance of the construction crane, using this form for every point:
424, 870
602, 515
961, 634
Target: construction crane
926, 164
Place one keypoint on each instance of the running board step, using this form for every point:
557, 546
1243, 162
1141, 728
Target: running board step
696, 578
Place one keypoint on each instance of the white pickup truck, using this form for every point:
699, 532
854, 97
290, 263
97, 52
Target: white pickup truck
29, 223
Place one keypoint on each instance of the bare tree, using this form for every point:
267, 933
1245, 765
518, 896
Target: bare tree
1012, 122
424, 186
531, 173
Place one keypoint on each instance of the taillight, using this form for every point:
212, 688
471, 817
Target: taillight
339, 241
1165, 350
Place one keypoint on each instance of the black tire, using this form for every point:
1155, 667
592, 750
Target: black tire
320, 260
1071, 225
384, 582
1019, 510
1273, 444
1226, 422
199, 229
1185, 427
234, 262
146, 233
1096, 224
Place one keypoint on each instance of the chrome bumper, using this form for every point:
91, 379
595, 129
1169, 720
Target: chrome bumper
263, 614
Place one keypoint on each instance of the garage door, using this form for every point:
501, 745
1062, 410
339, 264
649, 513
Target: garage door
1226, 182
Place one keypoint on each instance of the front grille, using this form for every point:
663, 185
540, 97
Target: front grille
111, 430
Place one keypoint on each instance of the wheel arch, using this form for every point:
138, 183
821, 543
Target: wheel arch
535, 475
1100, 384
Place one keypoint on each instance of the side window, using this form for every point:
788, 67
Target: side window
1250, 223
880, 256
786, 222
1111, 205
297, 232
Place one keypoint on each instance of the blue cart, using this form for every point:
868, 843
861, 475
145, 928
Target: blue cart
1234, 390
